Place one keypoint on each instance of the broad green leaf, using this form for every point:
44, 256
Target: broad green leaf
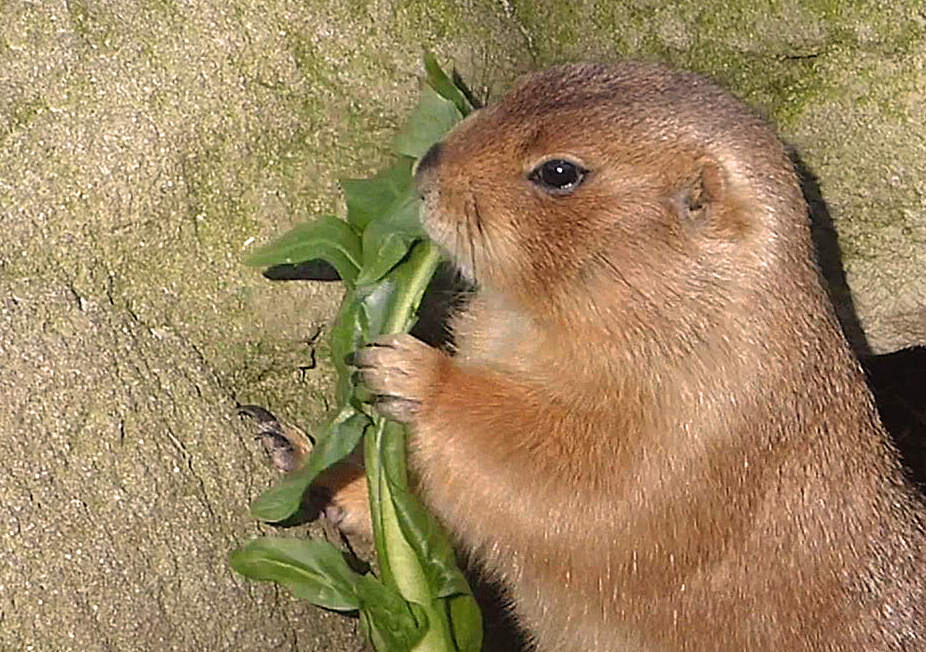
400, 568
368, 199
347, 335
387, 247
465, 622
375, 303
371, 462
432, 118
327, 238
313, 570
387, 240
391, 305
338, 440
423, 601
430, 544
419, 528
418, 561
386, 617
335, 442
411, 279
405, 213
440, 82
283, 499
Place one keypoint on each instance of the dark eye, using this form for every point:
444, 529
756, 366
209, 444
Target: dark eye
558, 176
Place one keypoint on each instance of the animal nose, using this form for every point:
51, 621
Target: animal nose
429, 160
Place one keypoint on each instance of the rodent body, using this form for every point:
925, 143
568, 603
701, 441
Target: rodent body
652, 430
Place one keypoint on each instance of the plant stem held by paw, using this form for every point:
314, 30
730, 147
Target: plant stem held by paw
420, 600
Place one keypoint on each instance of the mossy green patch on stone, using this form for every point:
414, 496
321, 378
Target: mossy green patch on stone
22, 116
440, 20
94, 27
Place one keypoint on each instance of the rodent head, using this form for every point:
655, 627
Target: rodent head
593, 186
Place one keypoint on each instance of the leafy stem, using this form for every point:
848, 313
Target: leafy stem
421, 264
420, 601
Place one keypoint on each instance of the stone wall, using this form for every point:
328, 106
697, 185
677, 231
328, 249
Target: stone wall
145, 145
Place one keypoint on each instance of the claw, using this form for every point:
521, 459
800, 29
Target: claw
284, 448
256, 412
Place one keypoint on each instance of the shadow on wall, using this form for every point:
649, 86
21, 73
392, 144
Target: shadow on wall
829, 257
895, 378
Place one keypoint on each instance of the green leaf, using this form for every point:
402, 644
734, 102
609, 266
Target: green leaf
376, 301
387, 240
327, 238
429, 542
465, 622
420, 556
411, 279
423, 601
386, 617
432, 118
347, 335
405, 214
391, 305
283, 499
335, 442
419, 528
373, 468
368, 199
338, 440
440, 82
386, 249
406, 565
313, 570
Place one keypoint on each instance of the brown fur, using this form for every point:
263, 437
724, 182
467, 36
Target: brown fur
652, 432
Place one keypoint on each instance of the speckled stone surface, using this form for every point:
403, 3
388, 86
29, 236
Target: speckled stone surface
145, 146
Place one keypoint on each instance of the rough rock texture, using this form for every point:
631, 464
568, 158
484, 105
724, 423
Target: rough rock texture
145, 145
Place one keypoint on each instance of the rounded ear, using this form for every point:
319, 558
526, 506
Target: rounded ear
699, 197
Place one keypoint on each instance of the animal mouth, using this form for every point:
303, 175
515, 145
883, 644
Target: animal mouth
460, 234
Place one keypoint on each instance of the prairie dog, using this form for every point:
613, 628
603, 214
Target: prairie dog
652, 431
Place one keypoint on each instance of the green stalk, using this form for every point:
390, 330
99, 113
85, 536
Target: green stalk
405, 572
427, 593
420, 267
400, 568
416, 271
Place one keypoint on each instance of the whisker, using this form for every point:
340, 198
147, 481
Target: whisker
472, 254
623, 279
477, 216
473, 216
460, 241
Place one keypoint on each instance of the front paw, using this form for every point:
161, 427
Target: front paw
401, 371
